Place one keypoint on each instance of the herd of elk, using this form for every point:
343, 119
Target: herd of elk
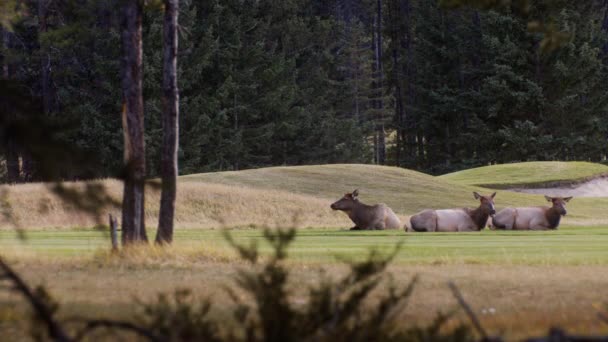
380, 216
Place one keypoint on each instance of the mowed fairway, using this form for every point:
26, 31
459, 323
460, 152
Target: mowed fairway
519, 283
566, 246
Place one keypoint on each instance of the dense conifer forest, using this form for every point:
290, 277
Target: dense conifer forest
410, 83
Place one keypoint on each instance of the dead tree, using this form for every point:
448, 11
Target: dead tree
170, 124
133, 224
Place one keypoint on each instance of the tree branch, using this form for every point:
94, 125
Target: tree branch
468, 310
103, 323
55, 330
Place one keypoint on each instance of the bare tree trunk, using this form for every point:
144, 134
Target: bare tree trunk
45, 59
399, 110
13, 169
400, 115
27, 166
374, 102
409, 72
5, 44
46, 91
12, 159
420, 145
12, 162
380, 85
133, 224
605, 29
113, 232
170, 124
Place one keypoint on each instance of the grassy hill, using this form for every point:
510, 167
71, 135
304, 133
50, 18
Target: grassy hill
530, 174
282, 195
406, 191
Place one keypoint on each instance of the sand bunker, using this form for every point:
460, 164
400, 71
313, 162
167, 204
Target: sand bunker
594, 188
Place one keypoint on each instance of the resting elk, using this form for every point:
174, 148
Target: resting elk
455, 220
532, 218
378, 216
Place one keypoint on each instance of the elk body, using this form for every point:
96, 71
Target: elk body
532, 218
455, 220
364, 216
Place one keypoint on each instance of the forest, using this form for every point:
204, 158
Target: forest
109, 106
410, 83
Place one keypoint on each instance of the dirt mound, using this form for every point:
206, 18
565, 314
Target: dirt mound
593, 188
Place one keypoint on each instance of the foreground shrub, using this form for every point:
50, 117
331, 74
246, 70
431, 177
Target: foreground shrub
333, 310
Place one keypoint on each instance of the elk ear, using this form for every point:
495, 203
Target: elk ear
549, 199
477, 196
567, 199
493, 195
355, 193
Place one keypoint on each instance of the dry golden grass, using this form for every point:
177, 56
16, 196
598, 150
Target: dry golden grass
525, 300
200, 205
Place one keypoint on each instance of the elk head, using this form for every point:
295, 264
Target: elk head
347, 202
486, 203
559, 203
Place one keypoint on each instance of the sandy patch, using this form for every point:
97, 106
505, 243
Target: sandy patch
594, 188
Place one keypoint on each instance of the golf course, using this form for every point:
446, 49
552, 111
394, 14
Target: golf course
520, 283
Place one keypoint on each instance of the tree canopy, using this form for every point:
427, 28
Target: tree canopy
267, 82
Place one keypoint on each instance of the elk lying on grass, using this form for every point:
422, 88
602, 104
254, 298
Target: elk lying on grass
378, 216
532, 218
455, 220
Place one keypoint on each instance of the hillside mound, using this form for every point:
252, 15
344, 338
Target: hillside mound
528, 175
282, 196
405, 191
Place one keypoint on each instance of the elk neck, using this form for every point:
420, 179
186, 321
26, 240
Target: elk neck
479, 217
553, 217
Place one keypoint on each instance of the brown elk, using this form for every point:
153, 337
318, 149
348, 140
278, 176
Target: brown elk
455, 220
532, 218
378, 216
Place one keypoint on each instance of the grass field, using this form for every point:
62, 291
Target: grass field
533, 280
566, 246
530, 174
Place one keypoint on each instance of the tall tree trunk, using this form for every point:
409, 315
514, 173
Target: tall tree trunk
46, 91
13, 169
605, 29
406, 45
374, 103
45, 59
5, 45
133, 224
400, 115
380, 91
12, 162
170, 124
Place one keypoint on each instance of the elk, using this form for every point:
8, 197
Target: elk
455, 220
532, 218
366, 217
